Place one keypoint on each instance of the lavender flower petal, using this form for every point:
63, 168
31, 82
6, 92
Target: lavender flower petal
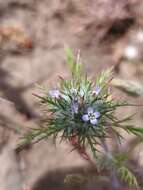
93, 121
97, 90
85, 117
96, 114
90, 110
54, 93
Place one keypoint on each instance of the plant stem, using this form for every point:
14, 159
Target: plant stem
114, 180
81, 151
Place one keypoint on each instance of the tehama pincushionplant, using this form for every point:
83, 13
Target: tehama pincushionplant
82, 113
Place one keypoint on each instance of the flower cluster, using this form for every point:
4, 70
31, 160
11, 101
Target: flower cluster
91, 114
83, 108
80, 107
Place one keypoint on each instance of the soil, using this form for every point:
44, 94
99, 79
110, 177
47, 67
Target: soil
33, 35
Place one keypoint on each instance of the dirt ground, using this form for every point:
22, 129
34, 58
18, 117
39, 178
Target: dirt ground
33, 35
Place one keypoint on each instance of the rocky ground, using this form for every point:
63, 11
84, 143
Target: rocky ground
33, 35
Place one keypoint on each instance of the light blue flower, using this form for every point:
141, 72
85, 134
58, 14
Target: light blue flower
96, 90
74, 106
91, 116
74, 91
55, 93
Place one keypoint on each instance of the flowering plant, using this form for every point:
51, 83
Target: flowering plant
83, 113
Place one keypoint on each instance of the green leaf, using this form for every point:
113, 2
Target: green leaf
135, 130
132, 88
74, 65
127, 176
74, 179
104, 76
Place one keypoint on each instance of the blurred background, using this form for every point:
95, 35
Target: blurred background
33, 35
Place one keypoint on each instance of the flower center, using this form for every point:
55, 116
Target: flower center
91, 115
